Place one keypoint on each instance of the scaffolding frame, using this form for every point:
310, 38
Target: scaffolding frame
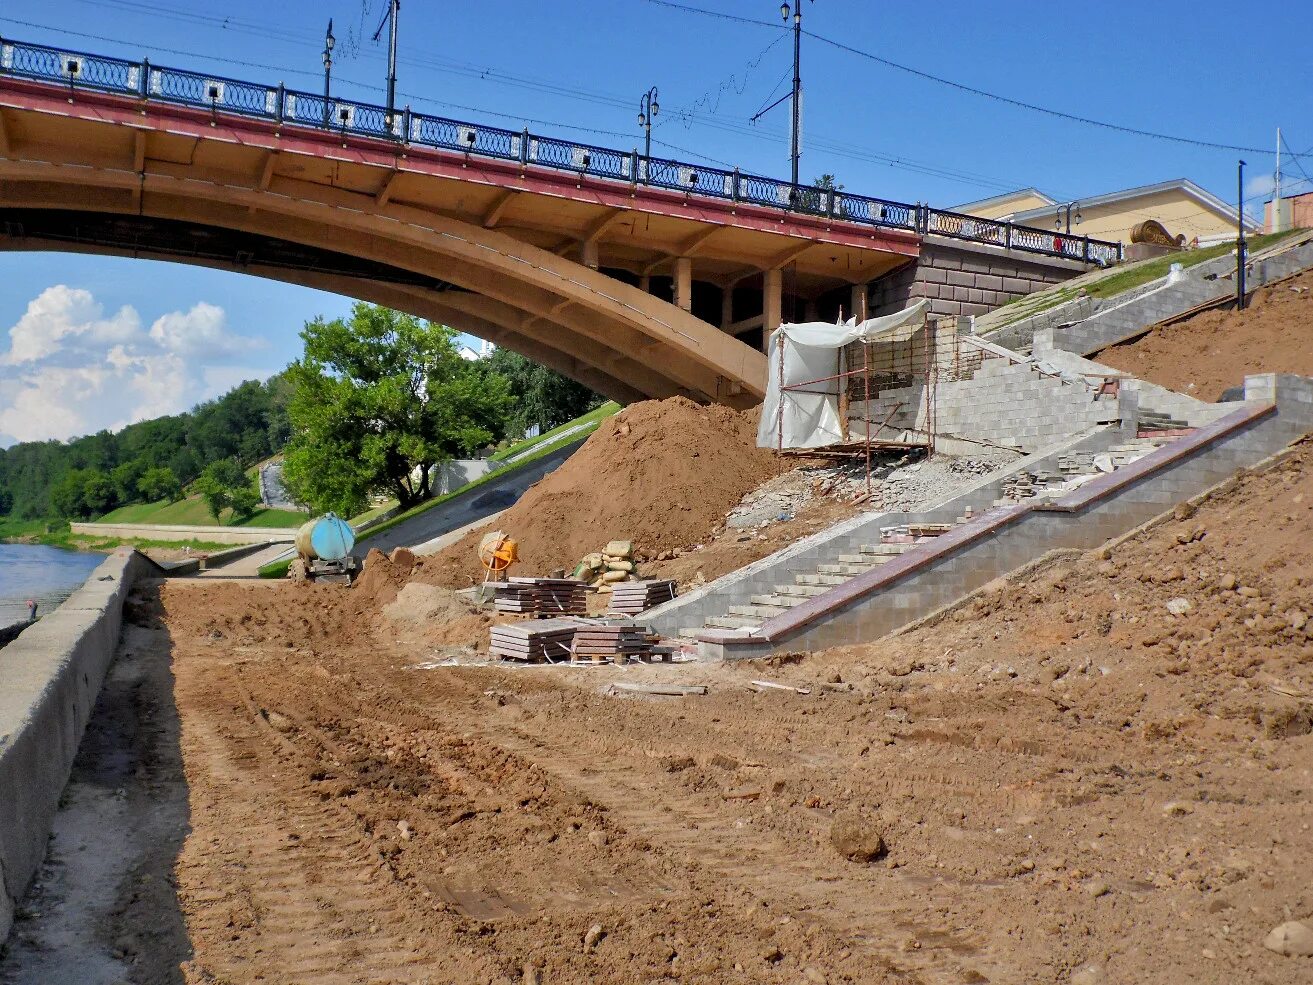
873, 370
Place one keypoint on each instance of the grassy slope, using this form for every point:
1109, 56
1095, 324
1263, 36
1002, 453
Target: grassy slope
192, 510
594, 417
1117, 280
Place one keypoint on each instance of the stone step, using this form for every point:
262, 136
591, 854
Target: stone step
887, 550
870, 560
822, 580
801, 591
690, 632
734, 622
779, 602
754, 610
843, 569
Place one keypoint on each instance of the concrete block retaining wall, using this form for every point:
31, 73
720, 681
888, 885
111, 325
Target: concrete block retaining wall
49, 679
1006, 403
692, 609
1278, 409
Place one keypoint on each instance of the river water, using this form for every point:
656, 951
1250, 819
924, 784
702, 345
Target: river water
47, 574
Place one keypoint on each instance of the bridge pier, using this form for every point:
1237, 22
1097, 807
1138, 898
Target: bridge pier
684, 283
772, 300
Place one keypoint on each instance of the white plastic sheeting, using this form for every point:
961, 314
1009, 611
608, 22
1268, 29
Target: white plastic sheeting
808, 414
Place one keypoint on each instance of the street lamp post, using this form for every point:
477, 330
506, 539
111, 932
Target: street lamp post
329, 41
797, 86
1065, 211
390, 18
648, 107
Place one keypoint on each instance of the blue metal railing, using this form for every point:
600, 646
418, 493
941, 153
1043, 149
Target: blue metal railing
76, 70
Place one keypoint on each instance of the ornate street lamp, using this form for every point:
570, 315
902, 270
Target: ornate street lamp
329, 41
648, 108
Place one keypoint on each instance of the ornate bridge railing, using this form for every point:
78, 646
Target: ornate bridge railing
76, 70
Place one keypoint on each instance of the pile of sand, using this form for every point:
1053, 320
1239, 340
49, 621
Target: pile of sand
660, 473
1215, 350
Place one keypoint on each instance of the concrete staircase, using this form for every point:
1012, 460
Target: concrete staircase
842, 569
897, 540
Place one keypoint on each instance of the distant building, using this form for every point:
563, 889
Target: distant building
1180, 205
485, 349
1297, 213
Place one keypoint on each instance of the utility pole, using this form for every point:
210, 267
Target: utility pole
796, 143
394, 6
1240, 238
1276, 190
329, 41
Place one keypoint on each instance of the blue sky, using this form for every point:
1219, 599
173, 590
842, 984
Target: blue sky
577, 68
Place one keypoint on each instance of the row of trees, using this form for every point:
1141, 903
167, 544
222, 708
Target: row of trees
147, 461
376, 401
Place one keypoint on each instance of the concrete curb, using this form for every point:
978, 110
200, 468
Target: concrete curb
49, 679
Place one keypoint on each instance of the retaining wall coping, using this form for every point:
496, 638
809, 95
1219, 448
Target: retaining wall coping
988, 523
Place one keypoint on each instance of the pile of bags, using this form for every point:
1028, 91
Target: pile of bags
609, 566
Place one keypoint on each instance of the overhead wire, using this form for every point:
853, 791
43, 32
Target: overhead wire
973, 90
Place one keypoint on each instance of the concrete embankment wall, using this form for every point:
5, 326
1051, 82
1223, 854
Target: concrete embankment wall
165, 531
49, 679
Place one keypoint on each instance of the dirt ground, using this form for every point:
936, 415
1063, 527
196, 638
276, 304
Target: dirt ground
1063, 781
1214, 350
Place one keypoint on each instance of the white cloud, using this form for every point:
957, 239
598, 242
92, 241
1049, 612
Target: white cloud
60, 317
70, 370
202, 331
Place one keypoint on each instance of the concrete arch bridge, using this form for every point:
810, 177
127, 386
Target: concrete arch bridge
640, 278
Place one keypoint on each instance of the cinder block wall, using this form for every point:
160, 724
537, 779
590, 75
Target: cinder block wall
1007, 403
962, 279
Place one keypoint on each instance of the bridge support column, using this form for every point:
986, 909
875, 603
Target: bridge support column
726, 307
859, 305
772, 300
590, 253
645, 284
684, 283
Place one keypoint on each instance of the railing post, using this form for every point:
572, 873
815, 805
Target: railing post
1007, 235
633, 166
1085, 248
829, 203
524, 146
280, 107
405, 126
145, 78
735, 185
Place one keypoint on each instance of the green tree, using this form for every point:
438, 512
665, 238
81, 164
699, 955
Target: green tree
125, 476
82, 493
217, 484
159, 483
542, 396
378, 400
245, 501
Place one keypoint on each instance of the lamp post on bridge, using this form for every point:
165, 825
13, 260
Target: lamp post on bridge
648, 107
1066, 210
329, 41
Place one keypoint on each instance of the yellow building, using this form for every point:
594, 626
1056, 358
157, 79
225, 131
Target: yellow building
1180, 205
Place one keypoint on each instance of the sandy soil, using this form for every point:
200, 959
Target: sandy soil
1068, 784
661, 473
1214, 350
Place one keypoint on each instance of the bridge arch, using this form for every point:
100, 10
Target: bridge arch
601, 331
